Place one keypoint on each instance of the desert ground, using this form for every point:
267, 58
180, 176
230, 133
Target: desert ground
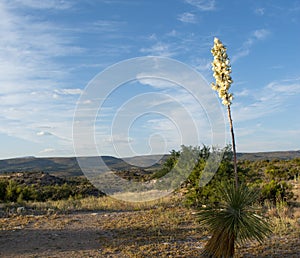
157, 230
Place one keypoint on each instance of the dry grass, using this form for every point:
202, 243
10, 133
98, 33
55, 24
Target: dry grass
158, 232
106, 203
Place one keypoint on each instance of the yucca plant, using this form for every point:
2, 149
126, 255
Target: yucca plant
233, 221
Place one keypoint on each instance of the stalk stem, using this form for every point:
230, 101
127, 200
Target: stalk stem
233, 148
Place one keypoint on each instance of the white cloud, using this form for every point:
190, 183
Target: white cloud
43, 133
158, 49
27, 62
115, 144
257, 35
30, 72
261, 34
203, 64
259, 11
268, 101
117, 139
242, 93
48, 4
263, 124
286, 87
68, 91
172, 44
172, 33
187, 18
105, 26
241, 53
203, 5
154, 82
47, 151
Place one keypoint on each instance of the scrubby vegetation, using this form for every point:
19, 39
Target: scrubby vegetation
271, 177
39, 186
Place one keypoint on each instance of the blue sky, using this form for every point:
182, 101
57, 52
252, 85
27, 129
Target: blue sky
50, 51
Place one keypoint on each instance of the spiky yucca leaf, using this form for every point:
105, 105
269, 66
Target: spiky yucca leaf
233, 221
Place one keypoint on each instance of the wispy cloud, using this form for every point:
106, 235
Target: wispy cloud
182, 45
203, 65
47, 151
285, 87
68, 91
257, 35
187, 18
259, 11
31, 79
261, 125
105, 26
158, 49
43, 133
242, 93
154, 82
261, 34
203, 5
49, 4
267, 102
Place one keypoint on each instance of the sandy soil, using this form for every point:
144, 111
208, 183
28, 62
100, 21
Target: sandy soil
73, 235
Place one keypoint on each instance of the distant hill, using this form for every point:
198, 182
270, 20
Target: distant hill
56, 166
66, 167
283, 155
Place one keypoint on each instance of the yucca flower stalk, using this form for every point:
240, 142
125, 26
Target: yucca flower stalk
222, 70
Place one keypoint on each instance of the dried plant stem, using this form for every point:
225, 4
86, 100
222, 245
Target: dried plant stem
236, 178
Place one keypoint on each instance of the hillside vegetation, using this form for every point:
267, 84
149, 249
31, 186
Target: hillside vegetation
272, 176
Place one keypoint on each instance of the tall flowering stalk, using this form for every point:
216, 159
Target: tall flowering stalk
222, 70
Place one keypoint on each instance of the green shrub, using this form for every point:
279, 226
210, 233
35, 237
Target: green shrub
276, 192
3, 185
197, 195
12, 191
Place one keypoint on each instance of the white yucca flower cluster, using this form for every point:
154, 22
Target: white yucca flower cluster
222, 70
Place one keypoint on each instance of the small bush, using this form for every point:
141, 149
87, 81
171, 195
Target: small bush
276, 192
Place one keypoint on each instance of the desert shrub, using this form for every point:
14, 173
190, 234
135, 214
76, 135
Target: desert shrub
276, 173
198, 195
3, 185
29, 193
12, 191
16, 190
168, 165
194, 159
276, 192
